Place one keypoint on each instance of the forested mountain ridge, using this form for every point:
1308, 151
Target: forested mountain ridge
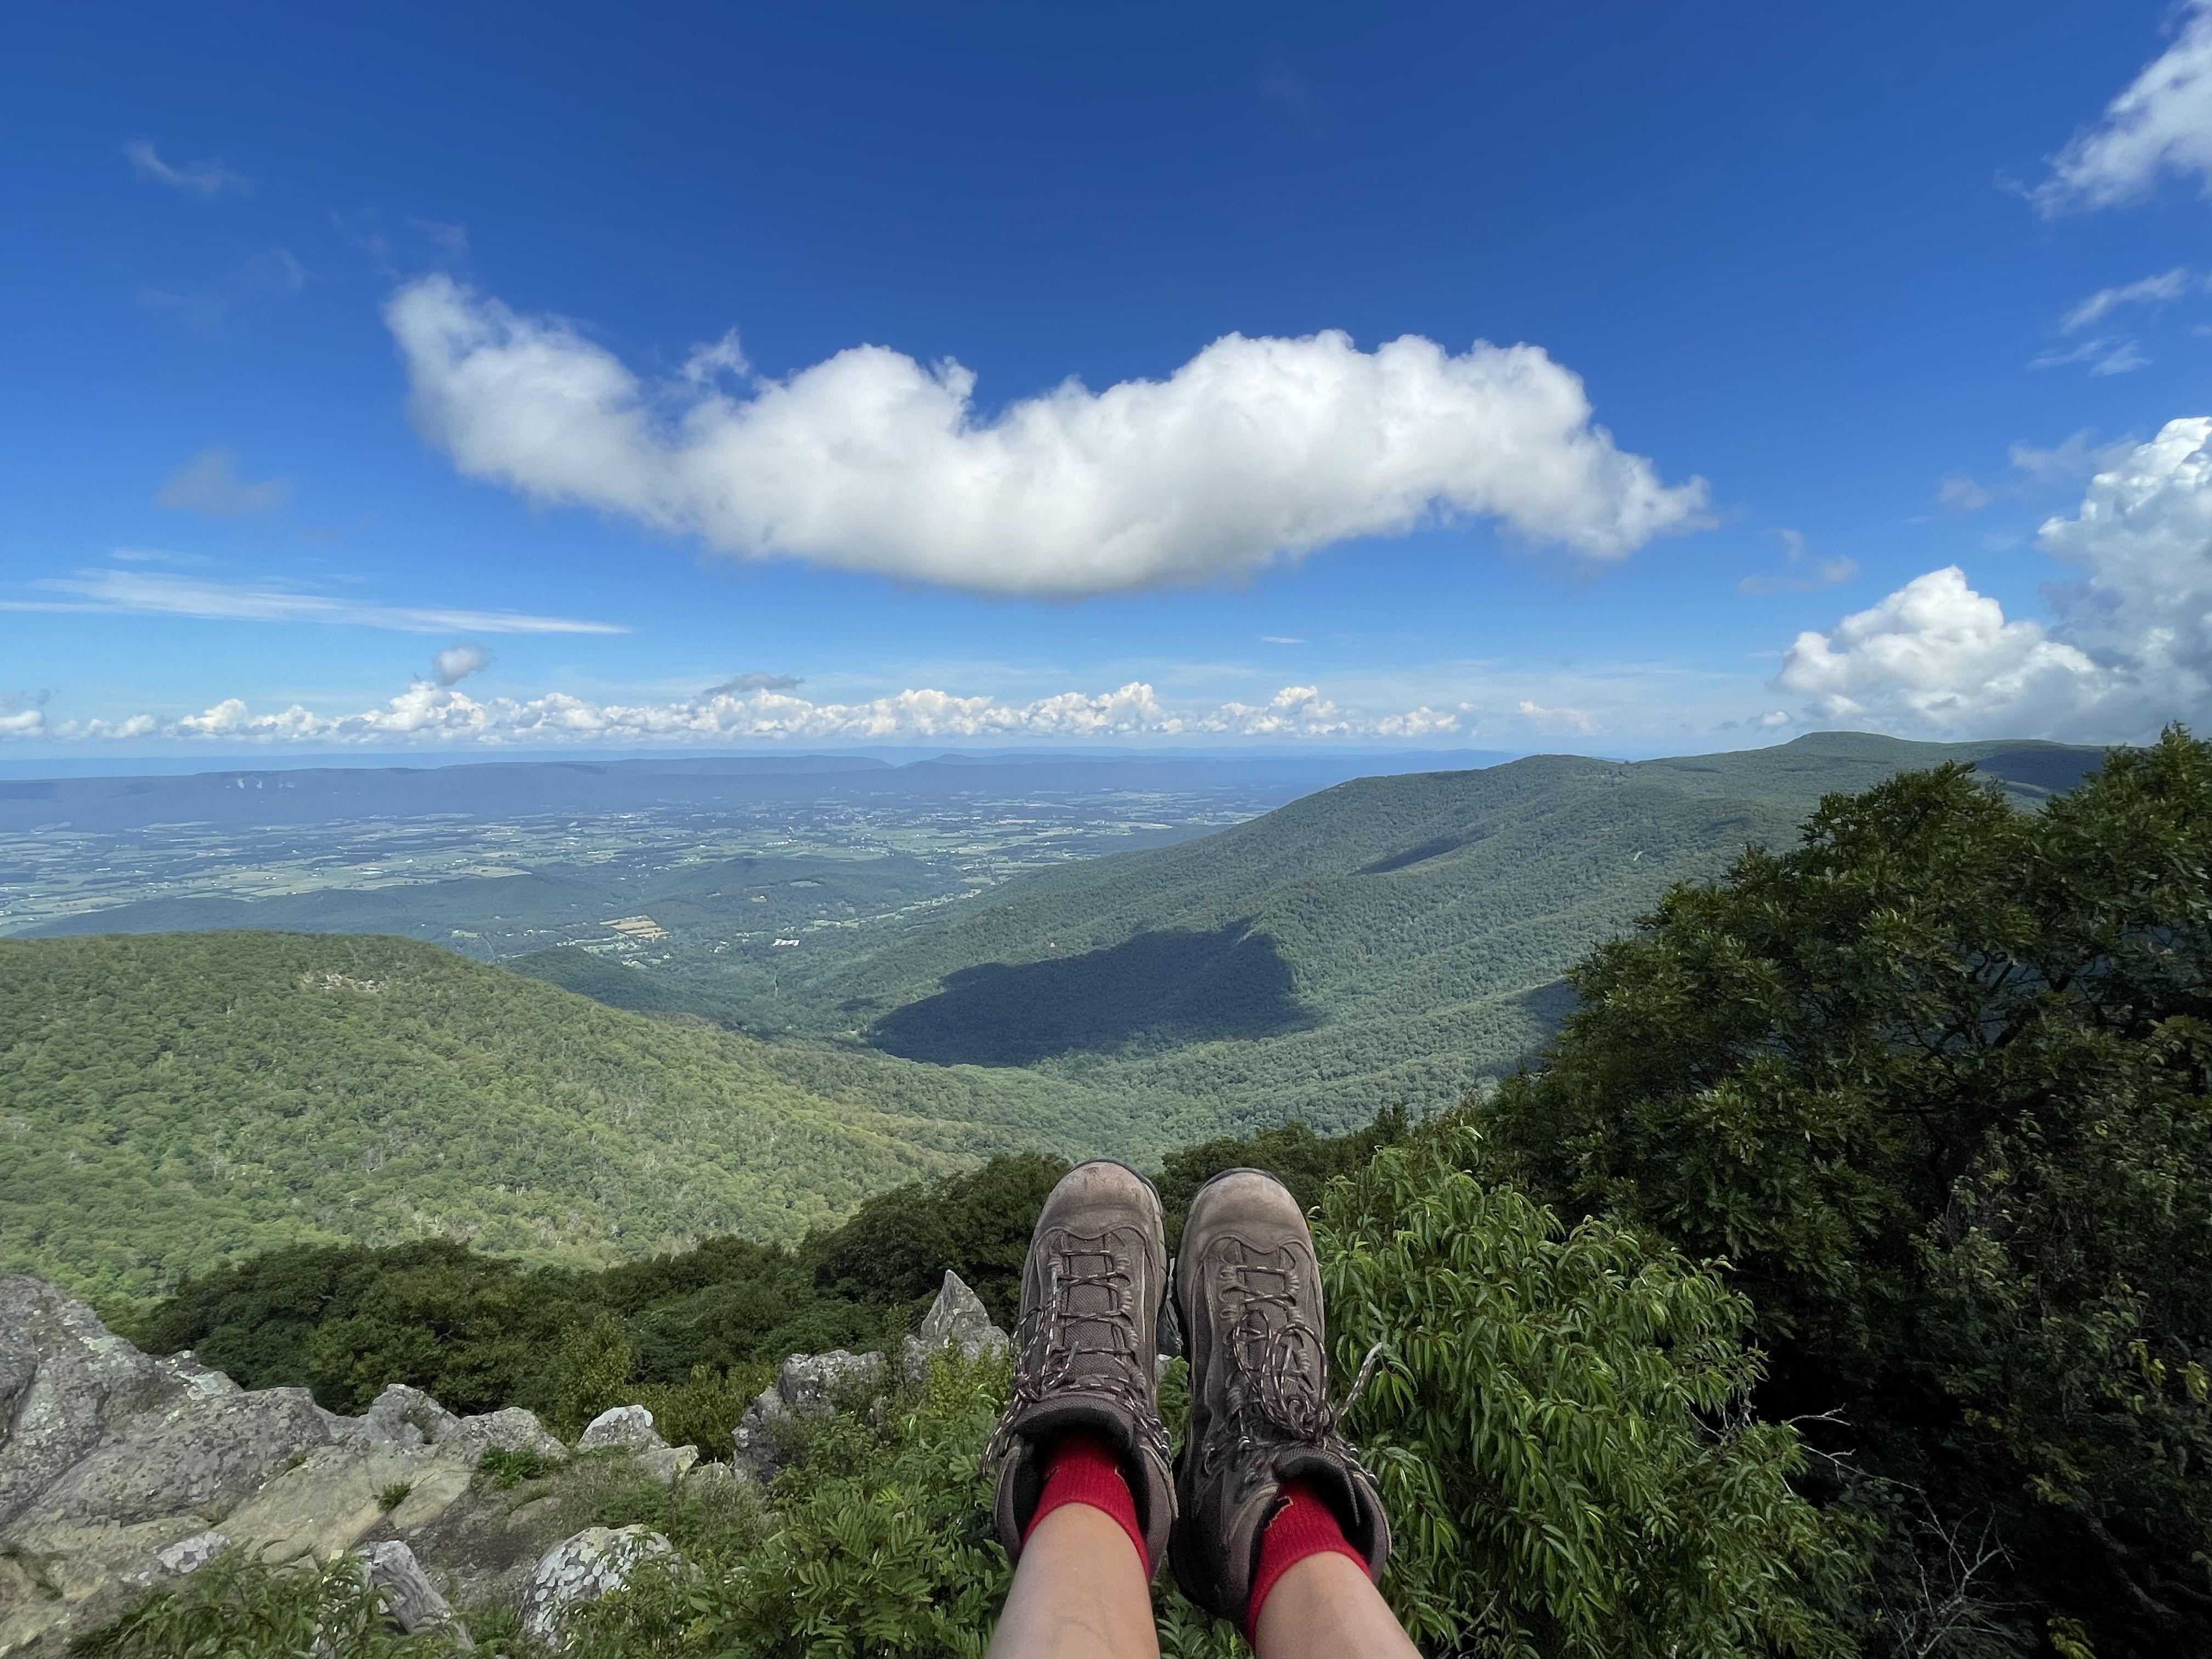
1387, 939
170, 1102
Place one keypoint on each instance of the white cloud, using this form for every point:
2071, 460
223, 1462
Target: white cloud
1938, 654
2105, 355
2151, 290
202, 178
2076, 457
1558, 719
157, 593
1819, 572
2129, 647
429, 713
209, 483
1255, 449
23, 713
457, 662
2162, 123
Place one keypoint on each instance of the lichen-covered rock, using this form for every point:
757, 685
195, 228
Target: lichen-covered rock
189, 1555
66, 1382
410, 1598
509, 1429
583, 1569
956, 1321
623, 1428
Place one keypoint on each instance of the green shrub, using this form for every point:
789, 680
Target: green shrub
508, 1468
591, 1374
881, 1547
394, 1495
1937, 1083
235, 1607
1559, 1425
703, 1410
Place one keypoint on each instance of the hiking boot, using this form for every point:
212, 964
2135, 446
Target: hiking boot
1086, 1349
1248, 1292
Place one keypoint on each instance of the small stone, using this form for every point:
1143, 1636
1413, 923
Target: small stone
957, 1319
626, 1428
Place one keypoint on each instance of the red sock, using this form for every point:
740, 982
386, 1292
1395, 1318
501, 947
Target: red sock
1304, 1526
1081, 1468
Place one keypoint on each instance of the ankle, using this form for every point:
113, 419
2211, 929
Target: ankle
1303, 1527
1082, 1468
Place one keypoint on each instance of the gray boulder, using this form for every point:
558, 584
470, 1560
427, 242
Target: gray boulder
403, 1416
583, 1569
957, 1321
509, 1429
66, 1380
622, 1428
808, 1385
412, 1602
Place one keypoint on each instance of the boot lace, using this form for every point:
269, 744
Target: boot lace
1275, 1391
1056, 1338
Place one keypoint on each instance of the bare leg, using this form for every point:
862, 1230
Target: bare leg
1324, 1608
1080, 1593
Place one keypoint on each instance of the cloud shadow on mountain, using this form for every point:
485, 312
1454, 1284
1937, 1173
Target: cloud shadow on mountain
1155, 990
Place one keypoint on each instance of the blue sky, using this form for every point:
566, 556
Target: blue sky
607, 357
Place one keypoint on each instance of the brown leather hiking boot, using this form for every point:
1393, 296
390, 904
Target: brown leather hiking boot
1248, 1292
1086, 1349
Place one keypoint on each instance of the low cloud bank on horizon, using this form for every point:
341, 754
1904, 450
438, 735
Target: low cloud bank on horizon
430, 714
1254, 450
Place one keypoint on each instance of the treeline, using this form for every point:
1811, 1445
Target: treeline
691, 1333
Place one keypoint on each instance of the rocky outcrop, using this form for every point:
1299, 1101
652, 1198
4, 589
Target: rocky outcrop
956, 1321
625, 1428
807, 1385
583, 1569
120, 1472
813, 1386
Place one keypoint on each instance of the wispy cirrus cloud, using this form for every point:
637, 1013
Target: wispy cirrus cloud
208, 484
155, 593
1255, 451
205, 180
2162, 290
1809, 573
2076, 457
273, 274
2160, 124
432, 715
2105, 355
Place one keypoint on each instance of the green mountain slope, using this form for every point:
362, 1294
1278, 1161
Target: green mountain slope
1390, 938
170, 1102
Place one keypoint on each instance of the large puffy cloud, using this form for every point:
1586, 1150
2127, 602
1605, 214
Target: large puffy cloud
430, 714
1254, 449
2162, 123
2129, 647
1936, 653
